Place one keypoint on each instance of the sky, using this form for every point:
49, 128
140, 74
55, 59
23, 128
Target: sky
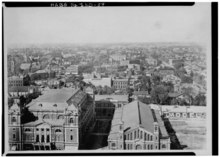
108, 24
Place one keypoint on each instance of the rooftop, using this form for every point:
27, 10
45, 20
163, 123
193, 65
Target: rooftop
111, 97
51, 97
136, 114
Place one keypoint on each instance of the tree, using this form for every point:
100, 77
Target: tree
156, 79
107, 90
178, 65
159, 94
27, 116
10, 102
200, 100
174, 102
99, 89
27, 80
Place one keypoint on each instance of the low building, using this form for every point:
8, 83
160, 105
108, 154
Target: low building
72, 69
64, 117
42, 75
137, 126
118, 100
140, 94
99, 81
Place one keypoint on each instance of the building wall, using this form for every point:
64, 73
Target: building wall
120, 84
15, 82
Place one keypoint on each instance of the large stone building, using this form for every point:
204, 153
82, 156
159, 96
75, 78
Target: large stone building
64, 116
137, 126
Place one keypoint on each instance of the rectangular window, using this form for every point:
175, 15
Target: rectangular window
48, 138
14, 136
37, 138
42, 138
134, 134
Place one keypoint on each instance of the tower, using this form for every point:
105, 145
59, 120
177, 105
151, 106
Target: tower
14, 125
71, 128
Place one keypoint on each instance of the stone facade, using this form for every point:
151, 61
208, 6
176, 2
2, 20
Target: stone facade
60, 125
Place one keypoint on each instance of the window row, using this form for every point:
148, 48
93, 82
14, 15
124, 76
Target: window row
137, 134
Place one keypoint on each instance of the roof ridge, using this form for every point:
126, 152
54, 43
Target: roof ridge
139, 113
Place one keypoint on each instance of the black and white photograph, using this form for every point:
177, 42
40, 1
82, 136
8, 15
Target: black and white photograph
91, 77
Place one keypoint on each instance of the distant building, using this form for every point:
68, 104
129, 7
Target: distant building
120, 84
164, 71
64, 118
117, 57
72, 69
42, 75
99, 81
137, 127
15, 81
118, 100
142, 94
151, 61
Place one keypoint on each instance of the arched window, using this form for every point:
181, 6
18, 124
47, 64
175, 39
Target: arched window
71, 120
113, 144
60, 117
27, 130
151, 146
151, 138
148, 137
55, 105
163, 146
46, 116
13, 119
57, 131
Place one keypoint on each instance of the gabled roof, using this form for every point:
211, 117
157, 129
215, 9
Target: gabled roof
136, 114
52, 97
